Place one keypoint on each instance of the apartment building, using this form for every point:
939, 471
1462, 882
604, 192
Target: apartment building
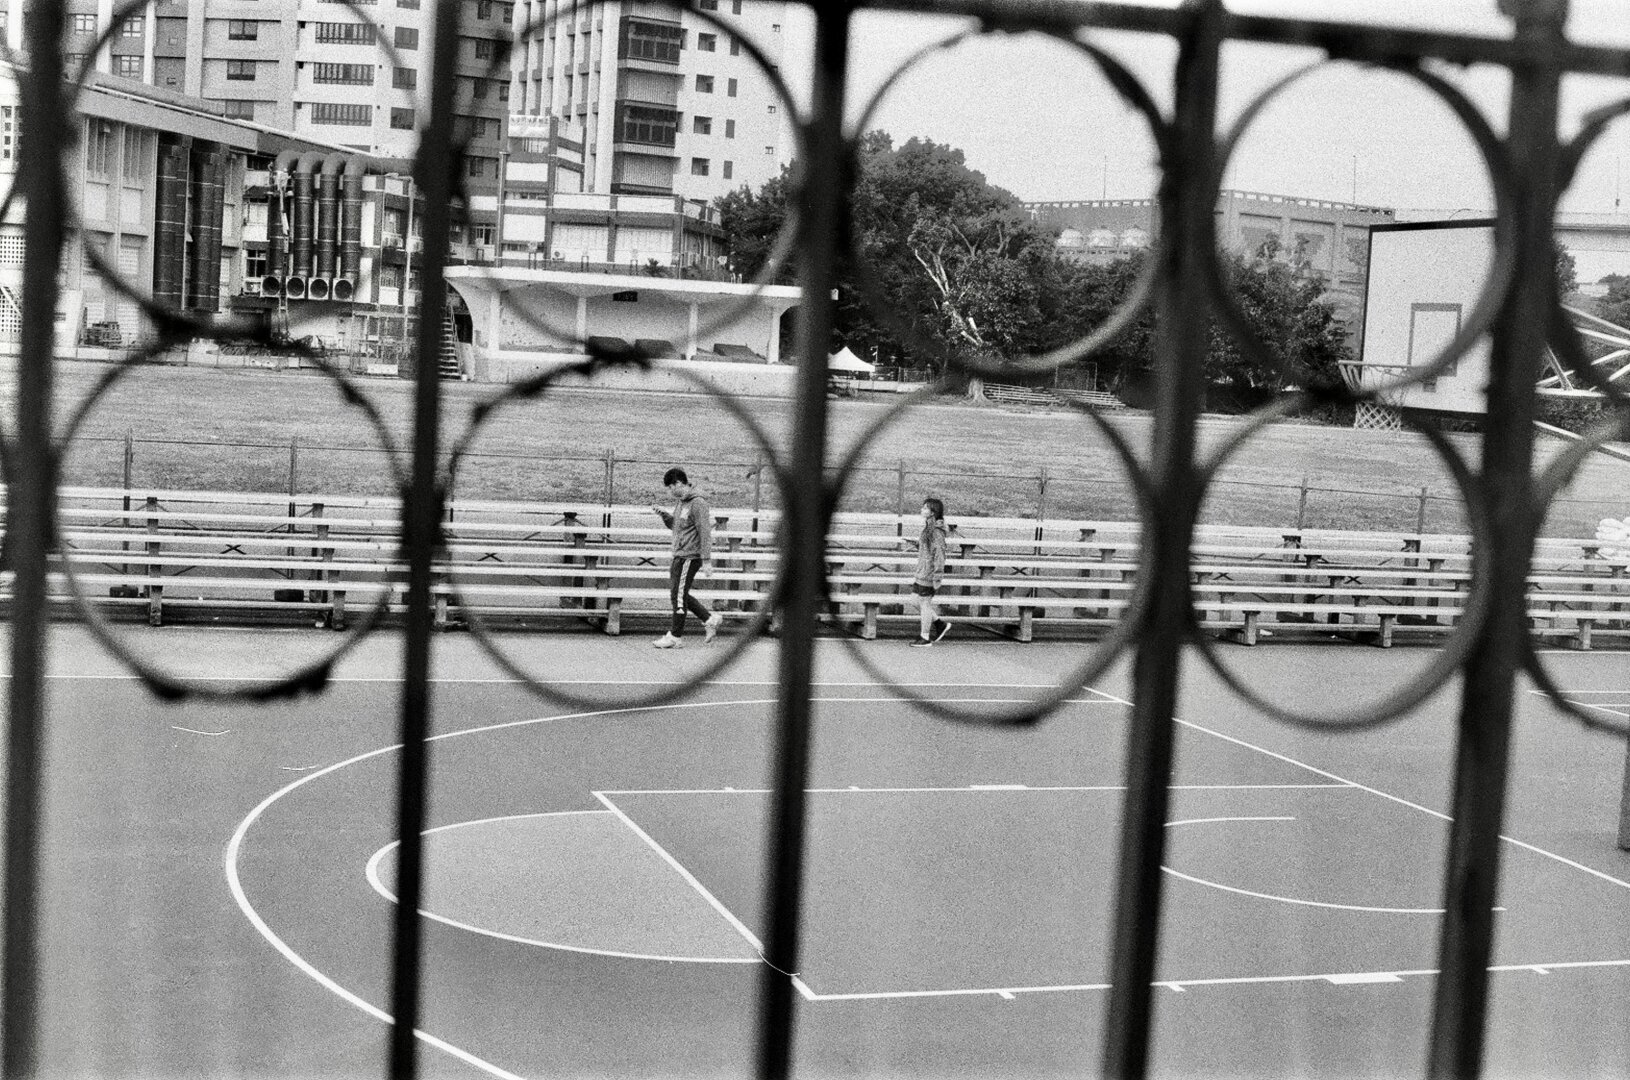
669, 101
355, 75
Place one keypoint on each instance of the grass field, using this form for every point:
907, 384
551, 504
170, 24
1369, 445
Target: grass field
233, 430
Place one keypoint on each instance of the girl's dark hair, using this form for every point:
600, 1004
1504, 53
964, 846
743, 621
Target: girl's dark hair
936, 506
674, 476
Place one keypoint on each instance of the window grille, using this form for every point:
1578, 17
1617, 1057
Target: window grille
1531, 162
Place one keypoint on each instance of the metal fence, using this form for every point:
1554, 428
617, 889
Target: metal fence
1041, 494
1504, 498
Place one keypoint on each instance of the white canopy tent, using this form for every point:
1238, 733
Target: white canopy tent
845, 362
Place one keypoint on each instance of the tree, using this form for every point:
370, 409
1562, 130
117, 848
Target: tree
1616, 304
1567, 271
1287, 310
751, 221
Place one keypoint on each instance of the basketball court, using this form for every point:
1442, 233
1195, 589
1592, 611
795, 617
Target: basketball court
221, 881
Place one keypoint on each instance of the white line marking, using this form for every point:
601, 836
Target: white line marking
372, 872
1393, 798
741, 927
1355, 978
1301, 903
853, 790
1210, 820
298, 768
234, 848
194, 731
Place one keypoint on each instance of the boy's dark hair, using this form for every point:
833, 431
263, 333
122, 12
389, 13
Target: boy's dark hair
674, 476
936, 506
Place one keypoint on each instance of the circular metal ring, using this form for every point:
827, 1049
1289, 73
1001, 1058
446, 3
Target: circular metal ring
536, 387
1102, 655
787, 240
1502, 271
1446, 663
874, 296
306, 679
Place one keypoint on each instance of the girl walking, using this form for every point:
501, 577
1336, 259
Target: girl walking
930, 569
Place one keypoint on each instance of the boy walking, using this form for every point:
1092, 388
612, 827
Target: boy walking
692, 525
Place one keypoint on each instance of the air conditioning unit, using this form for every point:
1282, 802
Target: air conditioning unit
294, 287
344, 289
317, 288
271, 286
390, 240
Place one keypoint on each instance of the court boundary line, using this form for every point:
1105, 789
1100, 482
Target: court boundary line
374, 879
1385, 795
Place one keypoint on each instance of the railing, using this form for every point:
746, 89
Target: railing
1529, 160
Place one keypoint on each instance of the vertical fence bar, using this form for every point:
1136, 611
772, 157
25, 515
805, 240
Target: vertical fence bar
1301, 506
1460, 996
1420, 512
1187, 197
421, 538
823, 207
30, 519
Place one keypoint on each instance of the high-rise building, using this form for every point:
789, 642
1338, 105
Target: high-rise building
357, 76
665, 102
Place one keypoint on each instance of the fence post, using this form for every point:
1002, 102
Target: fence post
900, 500
294, 474
611, 485
758, 491
130, 463
1301, 507
1041, 506
1420, 514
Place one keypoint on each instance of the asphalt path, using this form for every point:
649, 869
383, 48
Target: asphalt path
219, 879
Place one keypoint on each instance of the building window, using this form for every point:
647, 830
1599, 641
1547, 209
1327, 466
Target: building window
478, 167
730, 129
730, 88
73, 61
341, 115
407, 37
99, 150
244, 30
405, 79
503, 91
238, 109
128, 66
702, 125
134, 165
483, 48
8, 133
329, 33
135, 26
84, 24
735, 7
769, 150
411, 4
241, 70
344, 74
704, 84
735, 45
707, 5
648, 124
707, 42
698, 166
402, 119
483, 9
729, 168
478, 89
772, 110
655, 41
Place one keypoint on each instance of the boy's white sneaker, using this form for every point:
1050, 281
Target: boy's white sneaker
667, 641
710, 629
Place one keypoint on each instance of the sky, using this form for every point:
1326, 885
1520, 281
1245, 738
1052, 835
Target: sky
1036, 117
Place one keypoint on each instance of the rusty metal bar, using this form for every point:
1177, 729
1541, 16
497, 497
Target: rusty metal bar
1460, 998
47, 132
823, 208
1187, 197
421, 539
